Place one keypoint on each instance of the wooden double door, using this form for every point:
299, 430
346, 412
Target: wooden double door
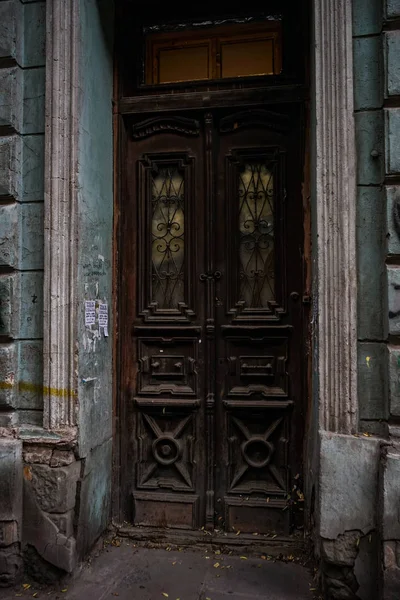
211, 319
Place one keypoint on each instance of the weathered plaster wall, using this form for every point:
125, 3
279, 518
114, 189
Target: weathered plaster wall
55, 486
95, 218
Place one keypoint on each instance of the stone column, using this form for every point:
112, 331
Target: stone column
335, 202
61, 190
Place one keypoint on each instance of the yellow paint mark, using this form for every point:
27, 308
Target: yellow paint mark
23, 386
368, 358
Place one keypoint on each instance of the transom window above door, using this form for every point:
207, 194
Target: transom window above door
220, 52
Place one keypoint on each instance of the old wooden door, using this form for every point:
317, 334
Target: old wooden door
211, 327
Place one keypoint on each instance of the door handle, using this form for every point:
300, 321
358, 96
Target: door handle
210, 276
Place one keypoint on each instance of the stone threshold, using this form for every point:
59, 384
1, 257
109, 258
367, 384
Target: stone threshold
294, 546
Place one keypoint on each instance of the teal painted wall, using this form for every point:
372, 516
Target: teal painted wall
371, 215
95, 236
22, 86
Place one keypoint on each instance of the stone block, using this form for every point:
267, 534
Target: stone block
55, 488
393, 295
21, 168
367, 54
21, 375
392, 9
391, 571
37, 454
392, 66
62, 458
22, 99
366, 567
9, 533
374, 427
372, 380
32, 184
21, 236
390, 477
30, 375
392, 141
370, 265
33, 100
11, 85
8, 365
8, 29
95, 498
34, 35
8, 419
30, 256
370, 147
21, 297
40, 532
6, 295
64, 523
392, 193
394, 380
348, 482
10, 480
343, 550
10, 564
30, 417
9, 166
8, 235
367, 17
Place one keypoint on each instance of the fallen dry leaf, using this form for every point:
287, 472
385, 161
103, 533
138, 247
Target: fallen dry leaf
165, 594
238, 532
216, 565
35, 595
64, 590
26, 586
243, 557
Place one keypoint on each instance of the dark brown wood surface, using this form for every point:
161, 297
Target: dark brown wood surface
211, 399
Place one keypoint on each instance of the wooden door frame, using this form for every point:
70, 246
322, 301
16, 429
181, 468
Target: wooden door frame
329, 193
244, 99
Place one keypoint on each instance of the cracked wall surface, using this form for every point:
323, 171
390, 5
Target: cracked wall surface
22, 87
55, 486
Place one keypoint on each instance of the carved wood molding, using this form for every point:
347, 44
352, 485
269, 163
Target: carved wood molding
179, 125
335, 287
255, 117
61, 168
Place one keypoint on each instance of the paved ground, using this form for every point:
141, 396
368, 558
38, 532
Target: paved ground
133, 573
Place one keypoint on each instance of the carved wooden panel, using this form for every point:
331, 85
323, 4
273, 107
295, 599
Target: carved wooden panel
256, 367
167, 366
166, 451
257, 462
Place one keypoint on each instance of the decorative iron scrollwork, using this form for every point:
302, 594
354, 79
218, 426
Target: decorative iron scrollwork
210, 276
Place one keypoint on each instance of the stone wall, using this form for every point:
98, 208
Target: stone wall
360, 474
22, 83
55, 482
390, 453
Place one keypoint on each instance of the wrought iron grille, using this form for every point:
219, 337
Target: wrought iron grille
256, 231
168, 229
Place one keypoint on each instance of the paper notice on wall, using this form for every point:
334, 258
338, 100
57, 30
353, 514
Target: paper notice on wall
90, 312
103, 318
